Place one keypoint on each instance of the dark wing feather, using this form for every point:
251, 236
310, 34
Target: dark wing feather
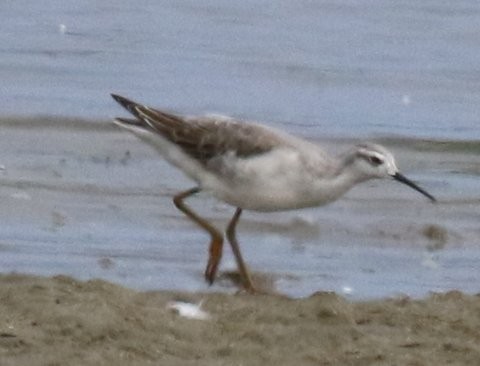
203, 138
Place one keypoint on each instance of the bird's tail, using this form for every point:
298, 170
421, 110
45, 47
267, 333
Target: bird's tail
128, 104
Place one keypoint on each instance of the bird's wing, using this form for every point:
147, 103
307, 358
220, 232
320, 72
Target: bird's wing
203, 138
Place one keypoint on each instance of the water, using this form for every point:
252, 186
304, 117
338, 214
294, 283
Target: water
319, 67
84, 199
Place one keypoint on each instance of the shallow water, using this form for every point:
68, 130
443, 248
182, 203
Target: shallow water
83, 198
90, 200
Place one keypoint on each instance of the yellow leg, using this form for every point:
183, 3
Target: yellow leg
216, 243
242, 268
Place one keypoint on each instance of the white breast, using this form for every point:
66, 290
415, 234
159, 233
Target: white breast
278, 180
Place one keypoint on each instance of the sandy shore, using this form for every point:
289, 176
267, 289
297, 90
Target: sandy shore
76, 206
61, 321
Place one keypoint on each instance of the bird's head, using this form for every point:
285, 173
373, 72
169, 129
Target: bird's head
374, 161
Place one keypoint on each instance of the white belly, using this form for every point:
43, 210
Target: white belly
274, 181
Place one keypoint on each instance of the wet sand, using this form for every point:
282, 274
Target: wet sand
61, 321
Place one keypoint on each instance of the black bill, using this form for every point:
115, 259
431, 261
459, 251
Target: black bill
401, 178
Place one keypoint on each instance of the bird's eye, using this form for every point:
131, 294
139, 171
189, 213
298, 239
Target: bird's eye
375, 160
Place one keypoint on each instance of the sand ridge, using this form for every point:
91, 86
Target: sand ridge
62, 321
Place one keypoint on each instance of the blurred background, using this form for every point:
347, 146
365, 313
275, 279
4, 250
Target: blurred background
323, 67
